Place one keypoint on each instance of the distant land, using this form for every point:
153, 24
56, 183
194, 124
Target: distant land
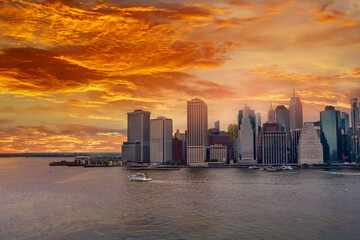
60, 154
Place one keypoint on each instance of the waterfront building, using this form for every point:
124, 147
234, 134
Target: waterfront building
310, 149
295, 112
247, 135
177, 150
218, 152
272, 145
331, 135
220, 138
161, 130
294, 141
271, 114
137, 146
197, 131
355, 135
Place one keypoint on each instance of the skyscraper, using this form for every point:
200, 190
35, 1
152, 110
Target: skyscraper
247, 135
310, 149
294, 141
282, 117
331, 134
161, 140
137, 147
197, 131
217, 125
345, 123
271, 115
296, 113
258, 123
354, 148
272, 145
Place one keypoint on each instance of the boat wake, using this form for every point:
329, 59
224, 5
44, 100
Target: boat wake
342, 173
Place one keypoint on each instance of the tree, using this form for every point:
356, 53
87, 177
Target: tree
233, 134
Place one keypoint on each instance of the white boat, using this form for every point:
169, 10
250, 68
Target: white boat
253, 167
141, 177
283, 167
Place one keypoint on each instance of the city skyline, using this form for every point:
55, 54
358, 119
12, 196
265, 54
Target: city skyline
70, 71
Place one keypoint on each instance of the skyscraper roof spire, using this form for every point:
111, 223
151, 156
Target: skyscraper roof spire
271, 108
293, 88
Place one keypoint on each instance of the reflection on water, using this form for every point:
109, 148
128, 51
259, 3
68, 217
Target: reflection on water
42, 202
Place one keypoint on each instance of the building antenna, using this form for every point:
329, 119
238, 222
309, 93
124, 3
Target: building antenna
293, 88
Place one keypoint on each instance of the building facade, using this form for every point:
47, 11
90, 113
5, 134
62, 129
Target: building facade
218, 152
294, 141
258, 123
247, 135
177, 150
282, 117
272, 145
161, 130
296, 113
330, 124
197, 131
355, 135
137, 146
310, 149
220, 138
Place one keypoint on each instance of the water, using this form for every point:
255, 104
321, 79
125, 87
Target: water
42, 202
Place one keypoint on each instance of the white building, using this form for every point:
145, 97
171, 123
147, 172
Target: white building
161, 140
197, 131
310, 149
218, 152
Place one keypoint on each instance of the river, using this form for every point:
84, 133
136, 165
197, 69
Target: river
42, 202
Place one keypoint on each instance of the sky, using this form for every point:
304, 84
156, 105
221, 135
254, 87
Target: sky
71, 70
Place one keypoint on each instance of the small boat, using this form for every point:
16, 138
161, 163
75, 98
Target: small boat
271, 169
141, 177
261, 168
253, 167
283, 167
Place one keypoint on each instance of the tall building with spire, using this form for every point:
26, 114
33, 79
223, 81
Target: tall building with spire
197, 131
295, 112
271, 115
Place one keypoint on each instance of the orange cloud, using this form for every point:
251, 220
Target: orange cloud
64, 138
327, 16
241, 3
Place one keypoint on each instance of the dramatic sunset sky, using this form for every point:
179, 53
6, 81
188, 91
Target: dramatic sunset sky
71, 70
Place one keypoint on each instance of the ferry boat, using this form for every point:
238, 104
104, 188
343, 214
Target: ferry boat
141, 177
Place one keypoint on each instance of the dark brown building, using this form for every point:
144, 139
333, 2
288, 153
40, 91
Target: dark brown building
177, 150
